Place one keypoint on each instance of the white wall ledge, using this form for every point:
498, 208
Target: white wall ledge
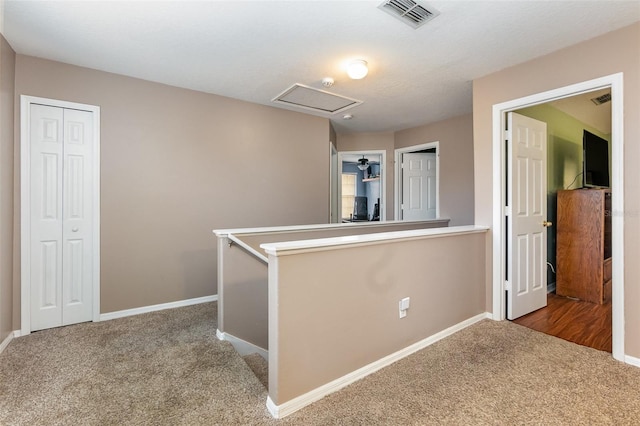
302, 246
293, 228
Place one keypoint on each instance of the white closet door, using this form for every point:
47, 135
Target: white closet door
47, 140
77, 215
61, 227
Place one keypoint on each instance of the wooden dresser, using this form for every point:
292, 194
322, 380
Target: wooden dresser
583, 245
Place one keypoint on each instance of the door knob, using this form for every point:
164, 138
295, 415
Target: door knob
547, 224
74, 229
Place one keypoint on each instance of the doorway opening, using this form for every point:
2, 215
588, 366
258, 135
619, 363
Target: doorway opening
578, 279
502, 250
417, 182
361, 186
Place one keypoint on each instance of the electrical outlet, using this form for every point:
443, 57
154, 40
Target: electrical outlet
403, 306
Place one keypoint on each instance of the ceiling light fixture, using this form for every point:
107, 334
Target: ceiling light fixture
347, 117
357, 69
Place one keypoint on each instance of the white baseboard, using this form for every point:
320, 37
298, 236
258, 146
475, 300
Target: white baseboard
291, 406
159, 307
632, 360
8, 340
242, 346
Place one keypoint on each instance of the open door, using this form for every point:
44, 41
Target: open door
526, 215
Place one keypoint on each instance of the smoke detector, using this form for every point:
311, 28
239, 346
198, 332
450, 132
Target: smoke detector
327, 82
410, 12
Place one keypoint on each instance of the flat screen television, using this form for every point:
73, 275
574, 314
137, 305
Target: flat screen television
595, 161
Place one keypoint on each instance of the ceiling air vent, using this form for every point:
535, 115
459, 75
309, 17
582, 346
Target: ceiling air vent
308, 98
602, 99
409, 12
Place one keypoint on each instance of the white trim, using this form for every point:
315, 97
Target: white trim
291, 406
333, 176
6, 341
304, 246
220, 334
632, 360
293, 228
160, 307
25, 207
242, 346
396, 175
383, 179
615, 81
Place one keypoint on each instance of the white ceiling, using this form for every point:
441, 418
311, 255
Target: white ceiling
254, 50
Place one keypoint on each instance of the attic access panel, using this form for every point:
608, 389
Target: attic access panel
308, 98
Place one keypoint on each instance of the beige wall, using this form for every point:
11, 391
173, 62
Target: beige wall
618, 51
7, 67
381, 141
316, 337
175, 165
456, 163
243, 307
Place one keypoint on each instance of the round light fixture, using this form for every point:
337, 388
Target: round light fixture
357, 69
347, 117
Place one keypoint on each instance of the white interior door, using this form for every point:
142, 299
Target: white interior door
419, 180
61, 216
527, 207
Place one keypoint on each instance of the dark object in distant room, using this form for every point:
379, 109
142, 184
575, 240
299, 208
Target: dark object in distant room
360, 210
376, 210
595, 161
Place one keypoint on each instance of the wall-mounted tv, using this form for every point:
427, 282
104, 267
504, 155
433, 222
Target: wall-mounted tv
595, 161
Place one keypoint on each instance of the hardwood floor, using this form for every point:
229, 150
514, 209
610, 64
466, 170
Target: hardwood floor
584, 323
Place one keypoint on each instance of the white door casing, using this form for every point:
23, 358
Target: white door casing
418, 186
499, 248
59, 213
398, 154
334, 178
527, 213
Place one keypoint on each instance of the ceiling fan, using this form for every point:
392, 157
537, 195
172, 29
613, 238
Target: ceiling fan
363, 163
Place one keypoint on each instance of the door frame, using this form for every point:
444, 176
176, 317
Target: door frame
397, 190
615, 82
383, 178
334, 206
25, 205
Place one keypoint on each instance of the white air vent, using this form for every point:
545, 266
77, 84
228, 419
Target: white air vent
409, 12
602, 99
308, 98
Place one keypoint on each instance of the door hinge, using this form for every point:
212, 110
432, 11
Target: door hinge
507, 285
507, 210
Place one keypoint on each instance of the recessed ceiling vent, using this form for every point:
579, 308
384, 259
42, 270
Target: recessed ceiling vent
409, 12
602, 99
308, 98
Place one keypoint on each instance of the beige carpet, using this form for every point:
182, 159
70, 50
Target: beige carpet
167, 368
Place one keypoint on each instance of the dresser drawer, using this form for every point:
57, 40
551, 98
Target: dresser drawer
606, 292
